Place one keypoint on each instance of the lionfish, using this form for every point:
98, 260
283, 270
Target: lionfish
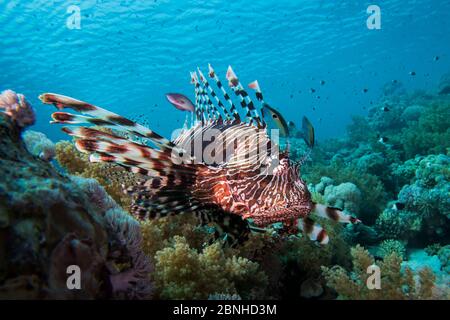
248, 190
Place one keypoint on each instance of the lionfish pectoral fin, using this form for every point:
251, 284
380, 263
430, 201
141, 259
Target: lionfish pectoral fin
313, 230
227, 226
334, 214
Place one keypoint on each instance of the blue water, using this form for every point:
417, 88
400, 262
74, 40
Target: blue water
127, 54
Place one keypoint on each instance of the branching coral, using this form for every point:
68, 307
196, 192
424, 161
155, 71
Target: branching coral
158, 233
395, 283
398, 224
39, 145
184, 273
111, 177
387, 247
17, 108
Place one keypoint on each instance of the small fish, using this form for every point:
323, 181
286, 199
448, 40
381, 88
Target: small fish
385, 109
436, 58
365, 90
383, 140
412, 73
322, 82
445, 90
398, 206
275, 117
181, 102
313, 90
308, 132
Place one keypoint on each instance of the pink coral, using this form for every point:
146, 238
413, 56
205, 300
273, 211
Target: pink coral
17, 107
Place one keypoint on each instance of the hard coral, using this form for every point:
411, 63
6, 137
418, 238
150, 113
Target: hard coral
345, 196
39, 145
48, 222
17, 108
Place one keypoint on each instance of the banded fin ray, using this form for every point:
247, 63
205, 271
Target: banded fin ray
62, 102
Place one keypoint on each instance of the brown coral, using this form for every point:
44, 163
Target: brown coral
111, 177
184, 273
17, 108
395, 283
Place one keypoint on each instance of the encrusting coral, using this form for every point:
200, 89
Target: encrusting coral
396, 284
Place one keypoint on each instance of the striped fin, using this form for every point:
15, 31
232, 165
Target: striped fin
246, 102
333, 214
198, 102
219, 84
213, 112
213, 94
228, 226
314, 231
259, 96
62, 102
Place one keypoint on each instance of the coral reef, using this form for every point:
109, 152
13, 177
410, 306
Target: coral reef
345, 196
39, 145
426, 199
112, 178
17, 108
395, 283
387, 247
184, 273
48, 222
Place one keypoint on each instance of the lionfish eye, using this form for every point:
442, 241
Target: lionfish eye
274, 116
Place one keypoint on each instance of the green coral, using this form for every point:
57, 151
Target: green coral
182, 272
387, 247
158, 233
430, 134
398, 224
395, 283
111, 177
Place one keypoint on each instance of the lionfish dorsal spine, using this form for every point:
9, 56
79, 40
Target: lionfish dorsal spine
233, 110
214, 95
246, 103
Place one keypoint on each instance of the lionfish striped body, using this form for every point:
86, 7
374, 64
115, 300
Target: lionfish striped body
225, 169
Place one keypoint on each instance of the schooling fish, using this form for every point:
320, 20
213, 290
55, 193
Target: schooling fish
181, 102
234, 182
385, 109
